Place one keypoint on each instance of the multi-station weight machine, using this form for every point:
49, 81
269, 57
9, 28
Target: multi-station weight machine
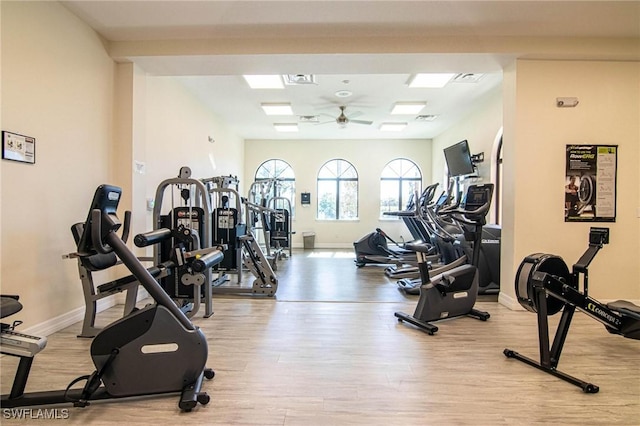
194, 220
212, 210
201, 214
227, 224
242, 249
271, 213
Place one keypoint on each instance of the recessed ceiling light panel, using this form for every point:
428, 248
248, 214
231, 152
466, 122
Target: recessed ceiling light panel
407, 108
430, 80
264, 81
277, 109
286, 127
392, 127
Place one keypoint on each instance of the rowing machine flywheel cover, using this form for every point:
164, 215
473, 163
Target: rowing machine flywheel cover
540, 262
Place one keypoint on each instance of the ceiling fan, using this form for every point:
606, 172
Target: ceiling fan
343, 120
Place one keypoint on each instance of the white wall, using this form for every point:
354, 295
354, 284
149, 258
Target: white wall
57, 83
177, 128
306, 157
1, 161
92, 119
536, 135
130, 141
480, 129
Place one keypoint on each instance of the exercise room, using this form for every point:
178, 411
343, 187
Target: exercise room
320, 212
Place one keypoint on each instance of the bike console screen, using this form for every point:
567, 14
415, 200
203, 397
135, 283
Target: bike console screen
478, 196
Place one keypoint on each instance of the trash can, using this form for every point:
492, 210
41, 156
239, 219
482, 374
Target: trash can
309, 240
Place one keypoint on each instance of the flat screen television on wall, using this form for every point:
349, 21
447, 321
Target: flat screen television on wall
458, 158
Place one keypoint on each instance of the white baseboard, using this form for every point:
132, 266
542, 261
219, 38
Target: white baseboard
65, 320
339, 246
142, 294
510, 302
56, 324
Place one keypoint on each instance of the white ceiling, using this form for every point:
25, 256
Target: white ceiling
376, 78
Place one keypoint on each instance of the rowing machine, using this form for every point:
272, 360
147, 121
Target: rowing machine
545, 286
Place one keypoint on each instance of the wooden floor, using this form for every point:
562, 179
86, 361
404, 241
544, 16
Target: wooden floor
328, 351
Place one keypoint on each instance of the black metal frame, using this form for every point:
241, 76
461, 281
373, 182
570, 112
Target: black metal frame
568, 291
472, 217
100, 236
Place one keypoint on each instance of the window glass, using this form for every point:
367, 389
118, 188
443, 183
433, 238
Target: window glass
399, 179
337, 191
278, 181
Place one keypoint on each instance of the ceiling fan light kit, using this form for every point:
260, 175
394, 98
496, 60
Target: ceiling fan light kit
346, 118
343, 119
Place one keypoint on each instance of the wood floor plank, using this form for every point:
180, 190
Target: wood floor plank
327, 350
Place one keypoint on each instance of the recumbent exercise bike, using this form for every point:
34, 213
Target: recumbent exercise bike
545, 286
154, 350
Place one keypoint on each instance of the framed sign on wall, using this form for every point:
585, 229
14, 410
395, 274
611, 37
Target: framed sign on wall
590, 183
17, 147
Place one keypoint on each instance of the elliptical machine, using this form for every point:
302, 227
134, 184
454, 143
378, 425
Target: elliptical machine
154, 350
453, 293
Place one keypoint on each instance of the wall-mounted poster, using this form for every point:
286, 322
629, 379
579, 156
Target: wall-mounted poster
590, 183
18, 147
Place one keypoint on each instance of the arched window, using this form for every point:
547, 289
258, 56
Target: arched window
337, 191
279, 181
400, 179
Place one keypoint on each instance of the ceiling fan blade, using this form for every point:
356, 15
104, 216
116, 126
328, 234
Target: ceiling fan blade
325, 122
354, 114
361, 122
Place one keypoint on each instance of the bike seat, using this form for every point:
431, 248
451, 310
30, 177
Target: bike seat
625, 308
9, 305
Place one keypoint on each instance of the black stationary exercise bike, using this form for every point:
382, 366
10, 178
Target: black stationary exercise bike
153, 350
453, 293
545, 286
